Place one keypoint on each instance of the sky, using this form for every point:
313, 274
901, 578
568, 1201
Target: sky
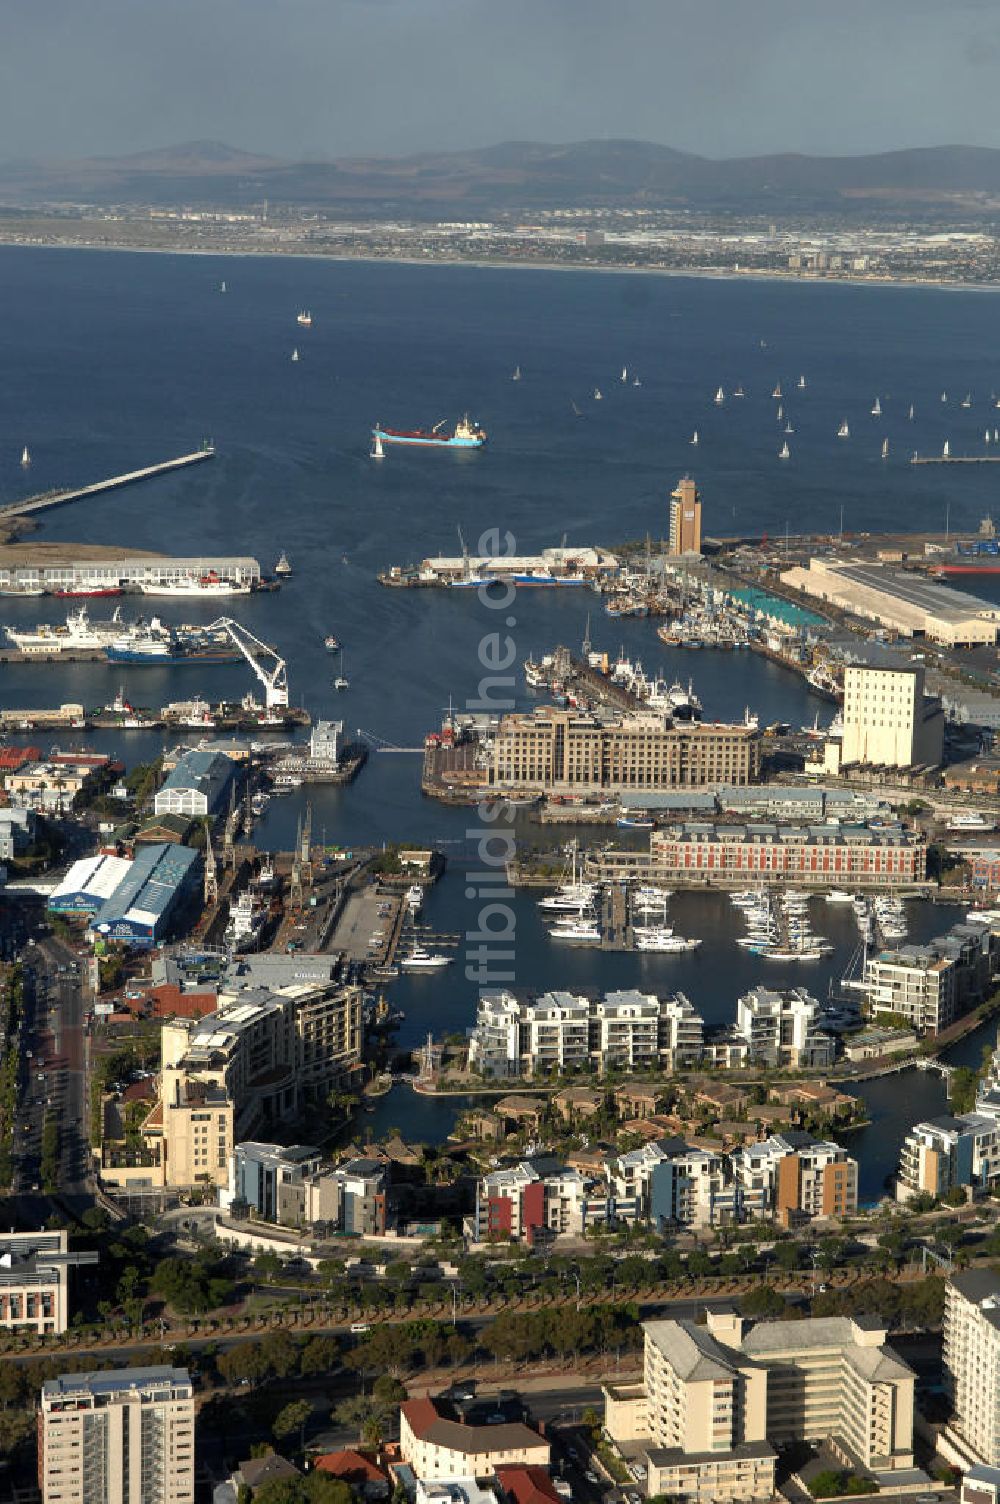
327, 78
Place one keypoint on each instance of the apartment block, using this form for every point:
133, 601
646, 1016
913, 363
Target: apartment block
794, 1178
125, 1436
436, 1444
669, 1184
888, 719
34, 1281
784, 1029
972, 1362
929, 986
713, 1400
537, 1198
685, 518
945, 1153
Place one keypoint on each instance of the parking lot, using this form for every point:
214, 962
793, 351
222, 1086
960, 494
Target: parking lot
367, 926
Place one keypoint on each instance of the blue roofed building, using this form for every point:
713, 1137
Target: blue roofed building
146, 902
200, 784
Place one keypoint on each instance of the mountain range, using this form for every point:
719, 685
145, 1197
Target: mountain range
519, 175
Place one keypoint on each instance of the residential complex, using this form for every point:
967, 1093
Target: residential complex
552, 750
928, 986
685, 518
888, 719
832, 854
947, 1153
716, 1399
125, 1436
294, 1188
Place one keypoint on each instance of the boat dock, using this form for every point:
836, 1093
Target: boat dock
47, 499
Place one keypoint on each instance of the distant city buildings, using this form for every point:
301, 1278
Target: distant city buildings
685, 518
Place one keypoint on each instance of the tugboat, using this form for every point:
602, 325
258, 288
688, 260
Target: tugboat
331, 643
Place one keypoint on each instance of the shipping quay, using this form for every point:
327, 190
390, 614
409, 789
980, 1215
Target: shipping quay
553, 567
116, 574
122, 716
47, 499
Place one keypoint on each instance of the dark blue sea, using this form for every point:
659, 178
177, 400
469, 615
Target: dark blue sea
111, 361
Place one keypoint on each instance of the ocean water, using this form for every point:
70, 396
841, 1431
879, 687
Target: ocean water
112, 361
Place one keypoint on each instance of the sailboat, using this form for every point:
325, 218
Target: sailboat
25, 457
885, 449
720, 397
598, 394
517, 374
305, 318
784, 453
377, 452
876, 409
222, 287
576, 410
910, 415
636, 381
781, 412
341, 682
789, 428
694, 437
843, 432
295, 354
996, 435
777, 390
967, 400
739, 392
802, 383
986, 436
944, 396
624, 375
946, 451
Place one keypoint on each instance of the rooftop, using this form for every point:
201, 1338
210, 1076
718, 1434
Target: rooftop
115, 1382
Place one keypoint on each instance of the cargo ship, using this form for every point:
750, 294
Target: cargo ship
466, 435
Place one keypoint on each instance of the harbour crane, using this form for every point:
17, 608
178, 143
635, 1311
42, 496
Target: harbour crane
268, 665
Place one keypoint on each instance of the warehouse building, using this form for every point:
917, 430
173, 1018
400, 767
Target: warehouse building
199, 785
144, 903
89, 884
905, 602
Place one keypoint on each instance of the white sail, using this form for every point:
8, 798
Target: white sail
784, 452
781, 412
876, 409
777, 390
624, 374
597, 394
25, 456
911, 412
946, 451
720, 397
802, 383
517, 374
295, 354
843, 432
694, 437
885, 449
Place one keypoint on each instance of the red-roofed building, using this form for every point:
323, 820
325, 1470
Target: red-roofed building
169, 1001
12, 758
363, 1475
436, 1447
527, 1485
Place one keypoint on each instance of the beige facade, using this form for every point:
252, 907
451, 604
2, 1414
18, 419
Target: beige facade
120, 1437
972, 1360
685, 518
435, 1446
570, 750
906, 603
253, 1062
888, 720
33, 1281
714, 1398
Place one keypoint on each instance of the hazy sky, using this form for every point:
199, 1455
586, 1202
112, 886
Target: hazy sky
334, 77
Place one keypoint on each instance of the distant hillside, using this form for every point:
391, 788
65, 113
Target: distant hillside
517, 174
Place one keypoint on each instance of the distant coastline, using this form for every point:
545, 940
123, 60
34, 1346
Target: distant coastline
705, 273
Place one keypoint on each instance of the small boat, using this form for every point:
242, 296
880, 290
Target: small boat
624, 375
876, 409
341, 682
777, 391
421, 959
843, 432
885, 449
996, 435
946, 451
305, 318
720, 397
802, 383
516, 374
598, 394
222, 287
781, 412
784, 453
25, 457
967, 400
377, 452
283, 567
636, 381
331, 643
694, 437
789, 428
986, 436
944, 396
739, 392
910, 413
295, 354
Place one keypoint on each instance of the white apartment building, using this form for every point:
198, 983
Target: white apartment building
670, 1184
555, 1033
782, 1028
794, 1178
714, 1398
627, 1029
888, 720
972, 1363
495, 1041
436, 1446
119, 1437
682, 1033
914, 983
946, 1152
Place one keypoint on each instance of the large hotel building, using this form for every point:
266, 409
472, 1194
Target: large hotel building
553, 750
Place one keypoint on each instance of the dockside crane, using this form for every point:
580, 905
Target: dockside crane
268, 665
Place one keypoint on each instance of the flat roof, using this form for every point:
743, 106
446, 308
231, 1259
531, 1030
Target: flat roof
114, 1381
926, 595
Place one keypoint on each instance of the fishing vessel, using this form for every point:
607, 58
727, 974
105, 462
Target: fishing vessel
79, 633
331, 643
465, 435
205, 585
843, 432
305, 318
86, 592
283, 567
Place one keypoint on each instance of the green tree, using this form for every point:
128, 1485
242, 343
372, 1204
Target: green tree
291, 1418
